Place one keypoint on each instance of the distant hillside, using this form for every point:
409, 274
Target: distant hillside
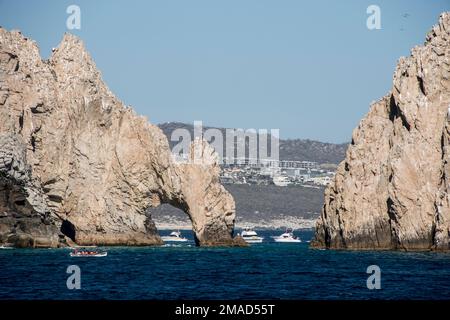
258, 206
290, 149
310, 150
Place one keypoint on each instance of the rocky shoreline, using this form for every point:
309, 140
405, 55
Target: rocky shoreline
295, 224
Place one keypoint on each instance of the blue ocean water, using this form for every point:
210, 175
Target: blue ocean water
263, 271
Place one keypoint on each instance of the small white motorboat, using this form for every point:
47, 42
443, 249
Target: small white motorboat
281, 181
6, 247
288, 237
88, 253
175, 236
250, 236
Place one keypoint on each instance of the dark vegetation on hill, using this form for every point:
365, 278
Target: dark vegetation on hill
290, 149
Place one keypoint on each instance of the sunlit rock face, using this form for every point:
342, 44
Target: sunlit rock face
76, 165
392, 190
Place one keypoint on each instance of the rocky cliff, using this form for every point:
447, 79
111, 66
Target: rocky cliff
76, 165
392, 190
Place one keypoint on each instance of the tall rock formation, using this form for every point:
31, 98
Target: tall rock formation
392, 190
77, 165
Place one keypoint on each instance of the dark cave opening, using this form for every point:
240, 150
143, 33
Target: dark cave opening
20, 202
68, 229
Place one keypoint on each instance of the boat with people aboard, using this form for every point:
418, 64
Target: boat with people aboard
287, 236
250, 236
88, 253
175, 236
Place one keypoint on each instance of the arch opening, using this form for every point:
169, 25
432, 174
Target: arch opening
167, 218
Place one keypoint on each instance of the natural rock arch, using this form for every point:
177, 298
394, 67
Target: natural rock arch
92, 161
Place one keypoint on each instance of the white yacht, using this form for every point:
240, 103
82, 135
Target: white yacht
288, 236
175, 236
281, 181
250, 236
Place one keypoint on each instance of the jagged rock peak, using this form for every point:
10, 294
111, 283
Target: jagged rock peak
392, 190
94, 166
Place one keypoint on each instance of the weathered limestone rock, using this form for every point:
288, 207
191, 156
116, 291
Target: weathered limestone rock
88, 166
392, 190
211, 207
25, 220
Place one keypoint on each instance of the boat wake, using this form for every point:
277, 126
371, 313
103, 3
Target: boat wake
176, 245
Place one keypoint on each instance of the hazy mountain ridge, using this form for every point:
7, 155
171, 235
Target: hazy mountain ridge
290, 149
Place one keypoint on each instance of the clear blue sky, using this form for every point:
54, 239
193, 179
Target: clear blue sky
309, 68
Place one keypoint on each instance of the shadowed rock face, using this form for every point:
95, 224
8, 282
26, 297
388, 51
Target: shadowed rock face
77, 165
392, 190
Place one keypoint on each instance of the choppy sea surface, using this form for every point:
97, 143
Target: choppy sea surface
262, 271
